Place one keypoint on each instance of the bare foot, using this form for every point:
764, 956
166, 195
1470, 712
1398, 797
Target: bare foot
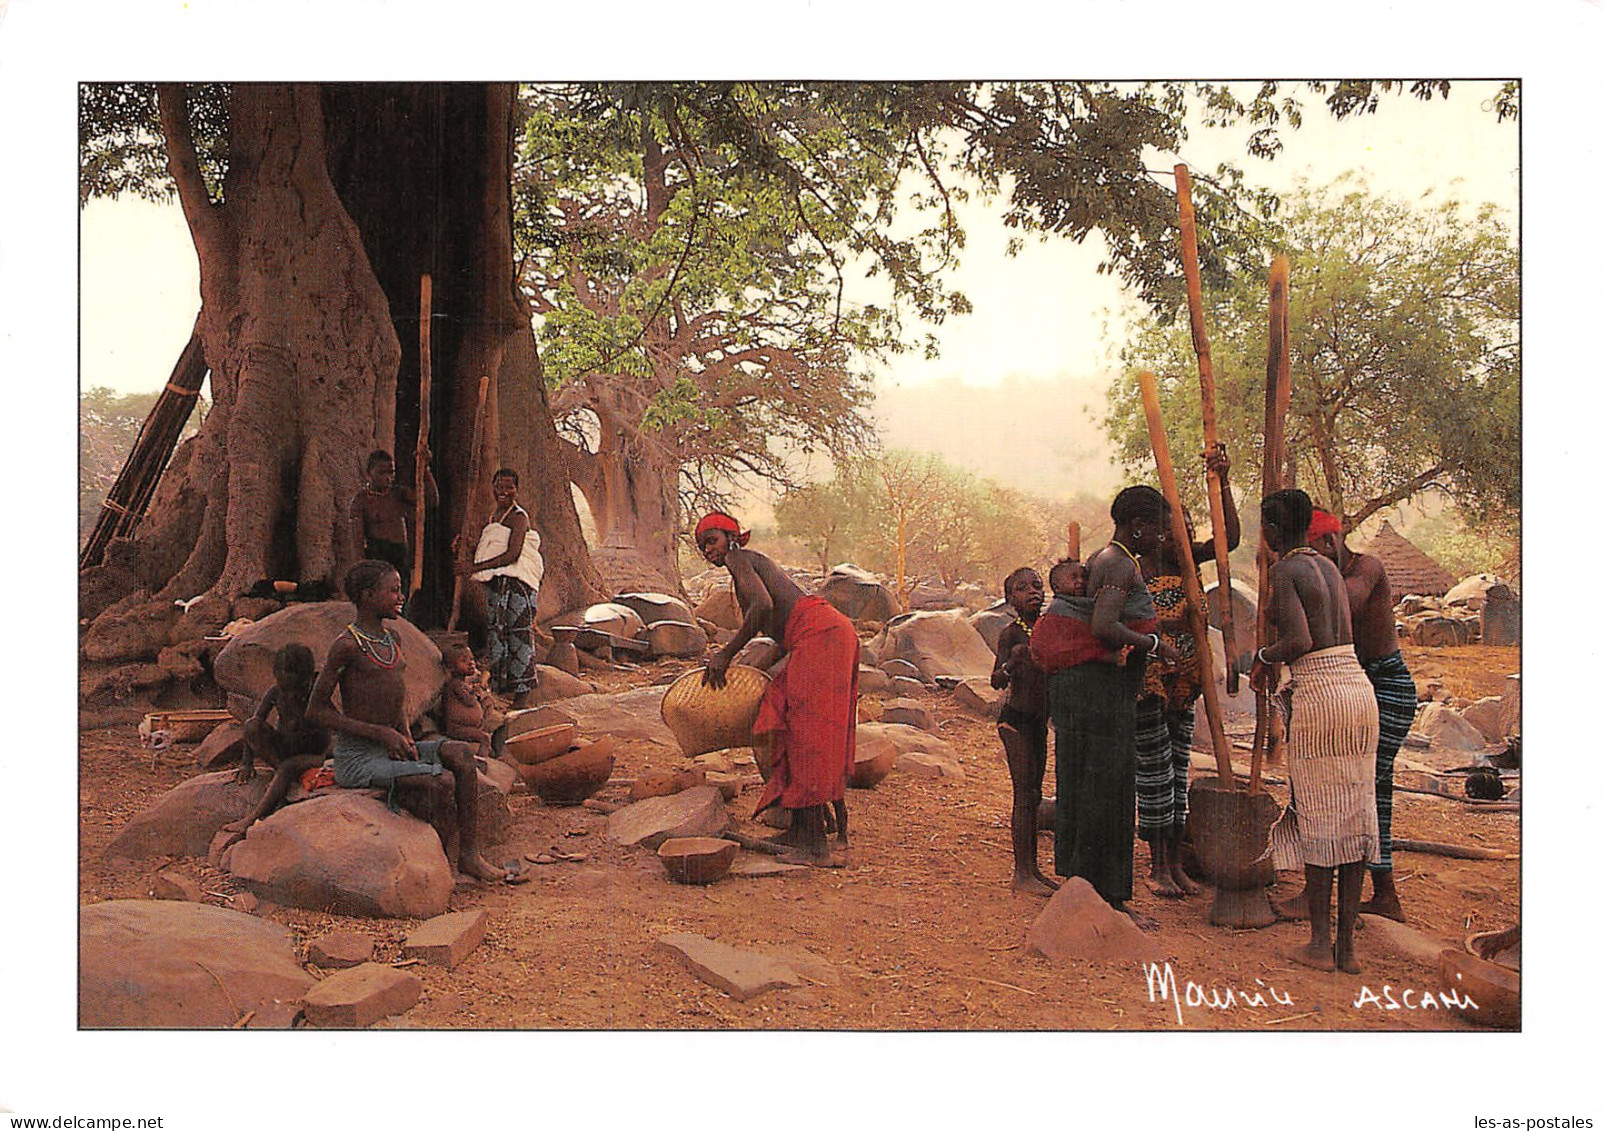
1162, 884
786, 839
245, 773
841, 841
1184, 882
1319, 957
481, 869
1142, 922
1347, 962
824, 859
1294, 909
1032, 885
1386, 907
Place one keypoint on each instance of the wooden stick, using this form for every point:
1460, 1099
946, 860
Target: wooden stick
1210, 422
1074, 540
1456, 851
755, 844
1188, 576
472, 487
425, 389
1277, 384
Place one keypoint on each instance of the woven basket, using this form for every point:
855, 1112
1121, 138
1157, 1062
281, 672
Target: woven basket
703, 719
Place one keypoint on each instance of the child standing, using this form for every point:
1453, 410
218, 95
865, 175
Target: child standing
1022, 724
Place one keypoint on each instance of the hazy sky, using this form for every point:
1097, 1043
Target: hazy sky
1041, 313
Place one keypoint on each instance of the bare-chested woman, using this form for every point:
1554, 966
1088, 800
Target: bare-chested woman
809, 713
1330, 744
372, 743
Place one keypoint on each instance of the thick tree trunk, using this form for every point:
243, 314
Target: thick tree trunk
300, 347
337, 199
632, 486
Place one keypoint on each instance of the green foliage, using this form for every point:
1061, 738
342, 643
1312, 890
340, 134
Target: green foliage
120, 147
959, 526
1405, 359
108, 425
1463, 550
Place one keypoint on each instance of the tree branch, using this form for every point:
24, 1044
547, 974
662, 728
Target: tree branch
183, 162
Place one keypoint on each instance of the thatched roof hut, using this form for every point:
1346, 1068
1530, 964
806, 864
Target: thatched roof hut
1410, 569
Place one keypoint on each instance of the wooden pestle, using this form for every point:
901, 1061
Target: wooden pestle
1188, 576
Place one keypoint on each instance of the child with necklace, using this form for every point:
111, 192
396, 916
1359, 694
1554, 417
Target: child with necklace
373, 746
1022, 723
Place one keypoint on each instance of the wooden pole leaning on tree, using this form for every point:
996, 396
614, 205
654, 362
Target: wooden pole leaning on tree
472, 489
1074, 541
1210, 418
1188, 576
135, 484
424, 421
1277, 386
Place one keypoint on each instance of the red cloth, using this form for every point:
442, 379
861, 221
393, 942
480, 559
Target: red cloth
1060, 642
718, 520
317, 777
809, 712
1323, 522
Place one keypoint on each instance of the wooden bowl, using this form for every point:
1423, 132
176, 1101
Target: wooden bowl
867, 772
541, 745
697, 859
285, 586
1495, 989
572, 776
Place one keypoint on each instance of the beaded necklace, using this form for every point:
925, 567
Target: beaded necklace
1029, 630
1122, 546
1299, 550
371, 644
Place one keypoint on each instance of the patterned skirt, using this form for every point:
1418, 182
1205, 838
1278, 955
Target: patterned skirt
511, 663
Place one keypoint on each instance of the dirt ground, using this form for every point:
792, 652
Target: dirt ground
921, 925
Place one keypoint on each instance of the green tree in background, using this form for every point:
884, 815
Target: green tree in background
108, 425
1405, 360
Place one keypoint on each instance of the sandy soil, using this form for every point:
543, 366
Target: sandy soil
921, 926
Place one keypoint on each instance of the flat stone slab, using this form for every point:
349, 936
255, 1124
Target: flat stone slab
628, 716
146, 964
355, 998
922, 764
908, 712
176, 885
340, 950
698, 811
1400, 939
979, 696
742, 974
446, 940
750, 865
1078, 923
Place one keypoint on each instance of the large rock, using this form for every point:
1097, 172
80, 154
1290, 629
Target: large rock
1471, 592
979, 696
872, 681
938, 644
162, 965
245, 666
859, 594
613, 619
184, 819
1500, 617
221, 746
676, 638
1447, 728
1077, 923
137, 633
1509, 709
721, 608
742, 974
904, 739
628, 716
653, 607
1486, 715
557, 684
909, 712
990, 621
345, 852
926, 597
1244, 614
698, 811
1440, 632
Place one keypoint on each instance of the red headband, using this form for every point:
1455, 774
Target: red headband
718, 520
1323, 523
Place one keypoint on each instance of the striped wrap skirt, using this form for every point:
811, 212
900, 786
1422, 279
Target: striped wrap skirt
1330, 753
